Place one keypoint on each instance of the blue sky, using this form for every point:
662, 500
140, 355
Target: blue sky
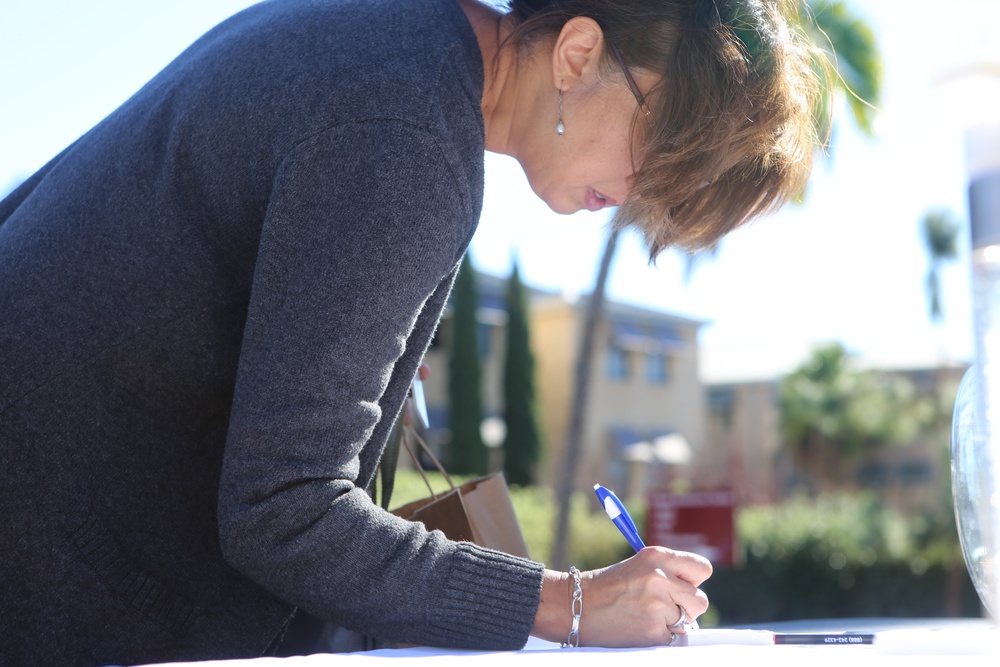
848, 265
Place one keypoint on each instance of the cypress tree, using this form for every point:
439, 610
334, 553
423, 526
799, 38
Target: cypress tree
522, 445
466, 451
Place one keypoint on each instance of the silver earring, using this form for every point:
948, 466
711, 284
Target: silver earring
560, 128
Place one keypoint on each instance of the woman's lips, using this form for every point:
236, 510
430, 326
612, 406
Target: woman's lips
594, 201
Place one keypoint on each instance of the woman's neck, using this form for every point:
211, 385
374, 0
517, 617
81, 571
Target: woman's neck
499, 67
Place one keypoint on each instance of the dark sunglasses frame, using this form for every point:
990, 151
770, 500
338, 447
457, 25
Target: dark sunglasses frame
639, 97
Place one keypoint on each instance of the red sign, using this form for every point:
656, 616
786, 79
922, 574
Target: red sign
700, 522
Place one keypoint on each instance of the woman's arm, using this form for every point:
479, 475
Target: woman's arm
632, 603
364, 227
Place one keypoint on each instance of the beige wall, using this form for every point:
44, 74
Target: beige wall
743, 451
554, 336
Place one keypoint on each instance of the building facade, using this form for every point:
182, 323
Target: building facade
646, 413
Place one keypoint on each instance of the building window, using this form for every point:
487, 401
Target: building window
914, 473
617, 363
657, 368
873, 474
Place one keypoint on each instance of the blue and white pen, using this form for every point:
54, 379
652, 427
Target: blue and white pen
619, 516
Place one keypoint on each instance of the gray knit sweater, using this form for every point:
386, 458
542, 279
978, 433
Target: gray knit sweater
211, 306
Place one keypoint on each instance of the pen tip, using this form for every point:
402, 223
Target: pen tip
596, 487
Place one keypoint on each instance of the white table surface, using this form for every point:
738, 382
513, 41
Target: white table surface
913, 643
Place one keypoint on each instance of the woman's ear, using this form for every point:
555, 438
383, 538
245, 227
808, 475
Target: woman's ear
577, 52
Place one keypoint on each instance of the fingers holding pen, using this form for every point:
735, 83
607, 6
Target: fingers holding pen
684, 565
643, 601
677, 576
635, 602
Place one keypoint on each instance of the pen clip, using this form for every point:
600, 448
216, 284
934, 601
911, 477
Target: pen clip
619, 515
604, 495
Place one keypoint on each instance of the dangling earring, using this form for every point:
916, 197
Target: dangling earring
560, 128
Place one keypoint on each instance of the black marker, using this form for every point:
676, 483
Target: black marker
824, 640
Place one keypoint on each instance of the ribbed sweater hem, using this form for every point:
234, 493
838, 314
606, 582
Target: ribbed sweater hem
489, 601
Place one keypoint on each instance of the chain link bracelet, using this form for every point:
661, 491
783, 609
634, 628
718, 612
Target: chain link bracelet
573, 639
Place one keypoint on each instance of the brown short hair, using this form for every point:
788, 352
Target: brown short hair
734, 120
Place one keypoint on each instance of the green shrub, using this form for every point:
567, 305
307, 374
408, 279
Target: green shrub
840, 556
840, 528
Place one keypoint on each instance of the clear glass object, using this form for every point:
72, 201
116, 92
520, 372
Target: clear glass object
976, 424
974, 488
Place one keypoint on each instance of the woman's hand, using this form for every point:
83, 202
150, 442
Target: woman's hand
633, 603
424, 371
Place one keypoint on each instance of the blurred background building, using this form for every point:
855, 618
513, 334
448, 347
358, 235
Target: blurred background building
653, 423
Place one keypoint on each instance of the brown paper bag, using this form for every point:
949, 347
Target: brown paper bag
477, 511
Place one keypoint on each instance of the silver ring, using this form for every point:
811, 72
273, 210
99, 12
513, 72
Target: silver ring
673, 638
682, 620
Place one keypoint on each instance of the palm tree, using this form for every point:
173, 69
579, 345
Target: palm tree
853, 49
940, 234
581, 388
859, 74
832, 413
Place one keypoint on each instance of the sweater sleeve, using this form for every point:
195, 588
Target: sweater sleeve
364, 224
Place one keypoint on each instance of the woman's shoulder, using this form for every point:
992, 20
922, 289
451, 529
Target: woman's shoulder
325, 63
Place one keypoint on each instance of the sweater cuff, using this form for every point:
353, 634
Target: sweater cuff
489, 600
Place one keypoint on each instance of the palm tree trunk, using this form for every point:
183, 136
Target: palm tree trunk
581, 389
